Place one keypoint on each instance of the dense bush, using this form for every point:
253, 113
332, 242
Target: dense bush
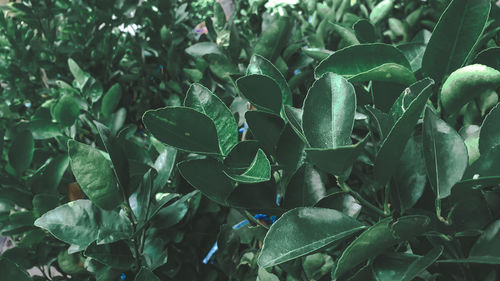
309, 140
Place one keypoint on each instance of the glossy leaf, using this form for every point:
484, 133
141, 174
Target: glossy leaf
454, 37
329, 109
467, 83
445, 154
337, 161
94, 175
258, 171
357, 63
313, 228
414, 53
342, 202
183, 128
207, 176
76, 223
111, 100
294, 117
306, 187
258, 197
365, 32
146, 275
260, 65
66, 110
273, 39
403, 267
266, 128
395, 142
81, 77
116, 255
381, 10
21, 151
13, 272
262, 91
489, 136
203, 100
118, 157
372, 242
489, 57
487, 245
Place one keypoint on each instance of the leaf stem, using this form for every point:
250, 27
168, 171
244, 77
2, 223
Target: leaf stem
360, 199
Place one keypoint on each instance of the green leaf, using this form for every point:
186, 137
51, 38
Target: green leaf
414, 53
290, 153
487, 245
13, 272
111, 100
294, 118
410, 177
342, 202
381, 11
329, 109
42, 203
116, 255
346, 34
454, 37
220, 66
257, 197
146, 275
94, 175
81, 77
183, 128
260, 65
365, 32
143, 198
339, 160
66, 110
374, 241
262, 91
380, 121
489, 57
395, 142
81, 223
467, 83
207, 176
484, 171
258, 171
489, 136
306, 187
21, 151
358, 64
203, 48
317, 54
203, 100
266, 128
263, 275
274, 38
92, 90
118, 157
403, 267
445, 154
312, 228
241, 156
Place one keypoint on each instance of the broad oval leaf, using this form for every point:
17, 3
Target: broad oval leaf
146, 275
312, 228
118, 157
381, 11
94, 175
262, 91
81, 77
13, 272
445, 154
111, 100
207, 176
489, 57
337, 161
258, 171
203, 100
395, 142
66, 110
487, 246
116, 255
294, 118
358, 63
329, 110
266, 128
21, 151
306, 188
467, 83
183, 128
454, 37
403, 267
81, 223
365, 32
374, 241
260, 65
489, 136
